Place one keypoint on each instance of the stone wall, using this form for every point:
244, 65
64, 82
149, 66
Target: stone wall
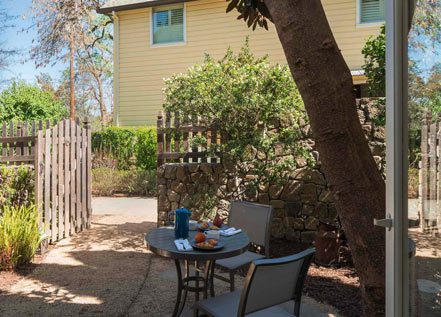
299, 204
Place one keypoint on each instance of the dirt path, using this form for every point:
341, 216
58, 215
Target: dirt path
106, 271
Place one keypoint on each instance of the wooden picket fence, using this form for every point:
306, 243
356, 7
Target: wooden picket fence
174, 139
18, 141
430, 176
61, 155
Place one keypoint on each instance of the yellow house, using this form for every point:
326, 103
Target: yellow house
154, 39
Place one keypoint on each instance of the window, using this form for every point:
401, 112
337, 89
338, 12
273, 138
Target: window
371, 11
168, 24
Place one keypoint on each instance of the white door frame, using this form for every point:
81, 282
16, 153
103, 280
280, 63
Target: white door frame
397, 272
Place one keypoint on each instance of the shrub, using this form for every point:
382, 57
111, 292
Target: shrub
16, 185
19, 235
255, 105
25, 102
107, 181
374, 52
126, 147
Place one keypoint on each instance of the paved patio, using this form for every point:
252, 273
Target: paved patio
107, 271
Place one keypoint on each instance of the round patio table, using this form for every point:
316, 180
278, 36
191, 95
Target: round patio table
161, 242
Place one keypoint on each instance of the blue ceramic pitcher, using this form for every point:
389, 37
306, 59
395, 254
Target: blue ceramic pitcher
181, 223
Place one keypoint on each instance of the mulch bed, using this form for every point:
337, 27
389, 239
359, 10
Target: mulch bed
336, 286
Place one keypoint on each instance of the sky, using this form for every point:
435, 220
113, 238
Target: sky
20, 38
21, 67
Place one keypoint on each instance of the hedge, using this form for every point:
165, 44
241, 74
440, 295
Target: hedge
128, 147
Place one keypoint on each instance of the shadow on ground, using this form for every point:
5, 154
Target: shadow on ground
104, 271
98, 272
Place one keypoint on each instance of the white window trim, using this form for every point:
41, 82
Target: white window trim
184, 42
359, 24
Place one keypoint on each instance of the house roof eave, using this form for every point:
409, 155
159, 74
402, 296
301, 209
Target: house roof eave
108, 8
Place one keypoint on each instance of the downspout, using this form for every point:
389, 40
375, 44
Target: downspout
115, 68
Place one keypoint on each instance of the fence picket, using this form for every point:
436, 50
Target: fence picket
186, 136
177, 136
26, 144
72, 176
66, 178
83, 178
160, 138
213, 141
88, 172
61, 180
167, 133
54, 185
4, 135
79, 221
39, 177
432, 169
47, 181
11, 134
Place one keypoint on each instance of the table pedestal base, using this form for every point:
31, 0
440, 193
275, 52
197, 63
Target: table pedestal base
196, 284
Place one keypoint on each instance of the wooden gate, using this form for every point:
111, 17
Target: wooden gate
61, 155
63, 178
430, 176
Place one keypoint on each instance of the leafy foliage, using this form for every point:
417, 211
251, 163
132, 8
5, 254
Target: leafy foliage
255, 106
107, 182
129, 147
253, 12
374, 67
19, 235
24, 102
426, 22
16, 186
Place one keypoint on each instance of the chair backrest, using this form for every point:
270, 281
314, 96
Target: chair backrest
254, 219
272, 282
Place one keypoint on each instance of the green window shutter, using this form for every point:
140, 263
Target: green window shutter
168, 24
372, 11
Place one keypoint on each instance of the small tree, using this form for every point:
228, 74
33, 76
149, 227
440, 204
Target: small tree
23, 102
256, 108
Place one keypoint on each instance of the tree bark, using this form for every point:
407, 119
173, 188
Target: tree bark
102, 105
72, 77
325, 84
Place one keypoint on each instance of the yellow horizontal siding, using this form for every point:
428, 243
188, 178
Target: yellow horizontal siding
142, 68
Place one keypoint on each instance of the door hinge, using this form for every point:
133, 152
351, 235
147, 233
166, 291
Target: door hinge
385, 223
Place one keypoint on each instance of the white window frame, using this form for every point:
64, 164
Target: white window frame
183, 42
360, 24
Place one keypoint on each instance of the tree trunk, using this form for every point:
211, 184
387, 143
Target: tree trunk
103, 111
72, 77
325, 84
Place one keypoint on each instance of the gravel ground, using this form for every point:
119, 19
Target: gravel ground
105, 271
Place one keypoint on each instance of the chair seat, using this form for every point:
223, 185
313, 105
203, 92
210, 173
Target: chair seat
235, 262
226, 305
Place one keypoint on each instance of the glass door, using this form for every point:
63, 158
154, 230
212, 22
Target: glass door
423, 268
413, 185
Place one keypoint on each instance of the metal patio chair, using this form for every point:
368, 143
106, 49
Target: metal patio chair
255, 220
273, 287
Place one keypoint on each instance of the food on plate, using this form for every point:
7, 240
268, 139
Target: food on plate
205, 225
199, 237
205, 245
212, 242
